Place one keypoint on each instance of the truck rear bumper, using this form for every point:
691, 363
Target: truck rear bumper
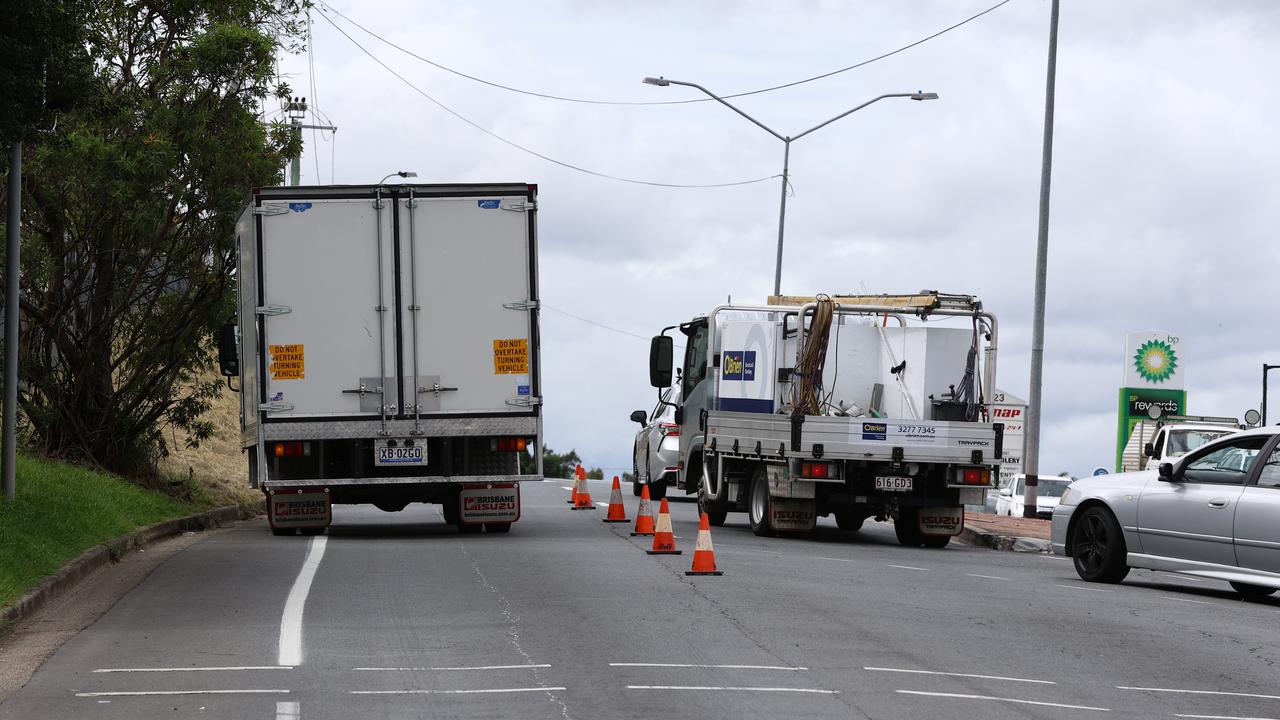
321, 429
376, 481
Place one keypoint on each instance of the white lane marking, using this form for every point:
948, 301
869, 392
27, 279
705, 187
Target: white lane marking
229, 668
954, 674
291, 620
1198, 602
1077, 587
1200, 692
718, 667
602, 504
810, 691
962, 696
1222, 717
487, 691
134, 693
444, 669
288, 711
909, 567
566, 487
836, 559
985, 577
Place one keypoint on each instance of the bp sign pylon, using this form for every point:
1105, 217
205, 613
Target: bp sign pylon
1153, 376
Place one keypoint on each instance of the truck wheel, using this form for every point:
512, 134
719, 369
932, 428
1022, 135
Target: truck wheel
714, 516
497, 528
758, 505
849, 521
935, 541
1097, 547
907, 527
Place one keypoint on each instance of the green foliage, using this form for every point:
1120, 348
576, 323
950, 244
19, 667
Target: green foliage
554, 464
62, 510
129, 222
44, 66
595, 474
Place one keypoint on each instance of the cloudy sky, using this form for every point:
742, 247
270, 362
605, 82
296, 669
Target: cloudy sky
1165, 174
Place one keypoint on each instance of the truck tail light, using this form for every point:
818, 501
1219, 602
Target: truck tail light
816, 470
511, 444
295, 448
975, 476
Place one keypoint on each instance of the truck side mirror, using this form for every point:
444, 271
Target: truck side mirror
228, 354
639, 417
1166, 472
660, 361
1149, 450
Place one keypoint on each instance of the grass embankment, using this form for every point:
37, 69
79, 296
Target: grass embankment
60, 511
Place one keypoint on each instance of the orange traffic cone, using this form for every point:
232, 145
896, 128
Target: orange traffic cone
644, 516
617, 511
704, 556
578, 474
582, 500
664, 541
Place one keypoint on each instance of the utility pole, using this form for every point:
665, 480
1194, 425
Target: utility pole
296, 108
1030, 496
12, 288
1265, 369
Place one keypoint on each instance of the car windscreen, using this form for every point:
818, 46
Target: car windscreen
1182, 442
1052, 488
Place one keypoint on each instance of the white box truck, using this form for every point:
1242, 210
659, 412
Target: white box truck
857, 407
386, 344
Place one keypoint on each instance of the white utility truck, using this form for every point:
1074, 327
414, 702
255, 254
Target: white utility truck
1171, 437
858, 407
387, 349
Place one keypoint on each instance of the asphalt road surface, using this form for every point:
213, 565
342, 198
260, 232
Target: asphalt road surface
398, 616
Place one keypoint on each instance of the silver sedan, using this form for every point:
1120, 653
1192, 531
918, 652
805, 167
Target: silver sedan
656, 449
1213, 513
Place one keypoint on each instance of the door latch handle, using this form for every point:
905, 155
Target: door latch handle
1218, 503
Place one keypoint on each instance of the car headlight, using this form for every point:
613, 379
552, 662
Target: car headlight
1065, 499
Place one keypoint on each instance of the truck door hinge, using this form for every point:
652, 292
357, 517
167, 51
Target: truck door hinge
524, 305
275, 406
270, 209
273, 310
525, 402
520, 206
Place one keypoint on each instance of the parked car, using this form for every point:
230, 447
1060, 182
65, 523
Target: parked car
1213, 513
1011, 500
656, 449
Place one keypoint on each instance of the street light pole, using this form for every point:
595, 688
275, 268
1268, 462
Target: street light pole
786, 148
11, 327
1265, 369
1032, 452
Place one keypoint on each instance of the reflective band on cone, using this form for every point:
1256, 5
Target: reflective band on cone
704, 556
664, 540
644, 516
617, 511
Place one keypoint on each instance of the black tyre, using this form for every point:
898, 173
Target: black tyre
849, 521
657, 490
1252, 591
636, 488
635, 479
935, 541
758, 502
907, 527
1098, 548
498, 528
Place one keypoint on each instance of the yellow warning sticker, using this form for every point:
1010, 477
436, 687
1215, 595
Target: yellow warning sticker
511, 357
287, 362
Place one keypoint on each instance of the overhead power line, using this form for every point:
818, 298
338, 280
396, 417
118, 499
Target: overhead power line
589, 321
548, 96
520, 147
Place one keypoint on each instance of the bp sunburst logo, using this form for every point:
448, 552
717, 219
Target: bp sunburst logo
1155, 361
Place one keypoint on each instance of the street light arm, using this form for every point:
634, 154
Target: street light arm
850, 112
727, 104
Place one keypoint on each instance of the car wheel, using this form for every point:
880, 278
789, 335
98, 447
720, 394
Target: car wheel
849, 521
657, 490
758, 502
1097, 547
635, 479
1252, 591
935, 541
907, 527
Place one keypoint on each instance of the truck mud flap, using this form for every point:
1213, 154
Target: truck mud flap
941, 520
787, 515
307, 507
482, 504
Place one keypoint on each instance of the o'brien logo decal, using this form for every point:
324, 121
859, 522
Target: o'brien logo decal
739, 365
874, 431
1155, 361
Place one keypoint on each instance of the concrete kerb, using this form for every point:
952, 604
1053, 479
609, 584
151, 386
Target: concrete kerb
112, 551
981, 538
